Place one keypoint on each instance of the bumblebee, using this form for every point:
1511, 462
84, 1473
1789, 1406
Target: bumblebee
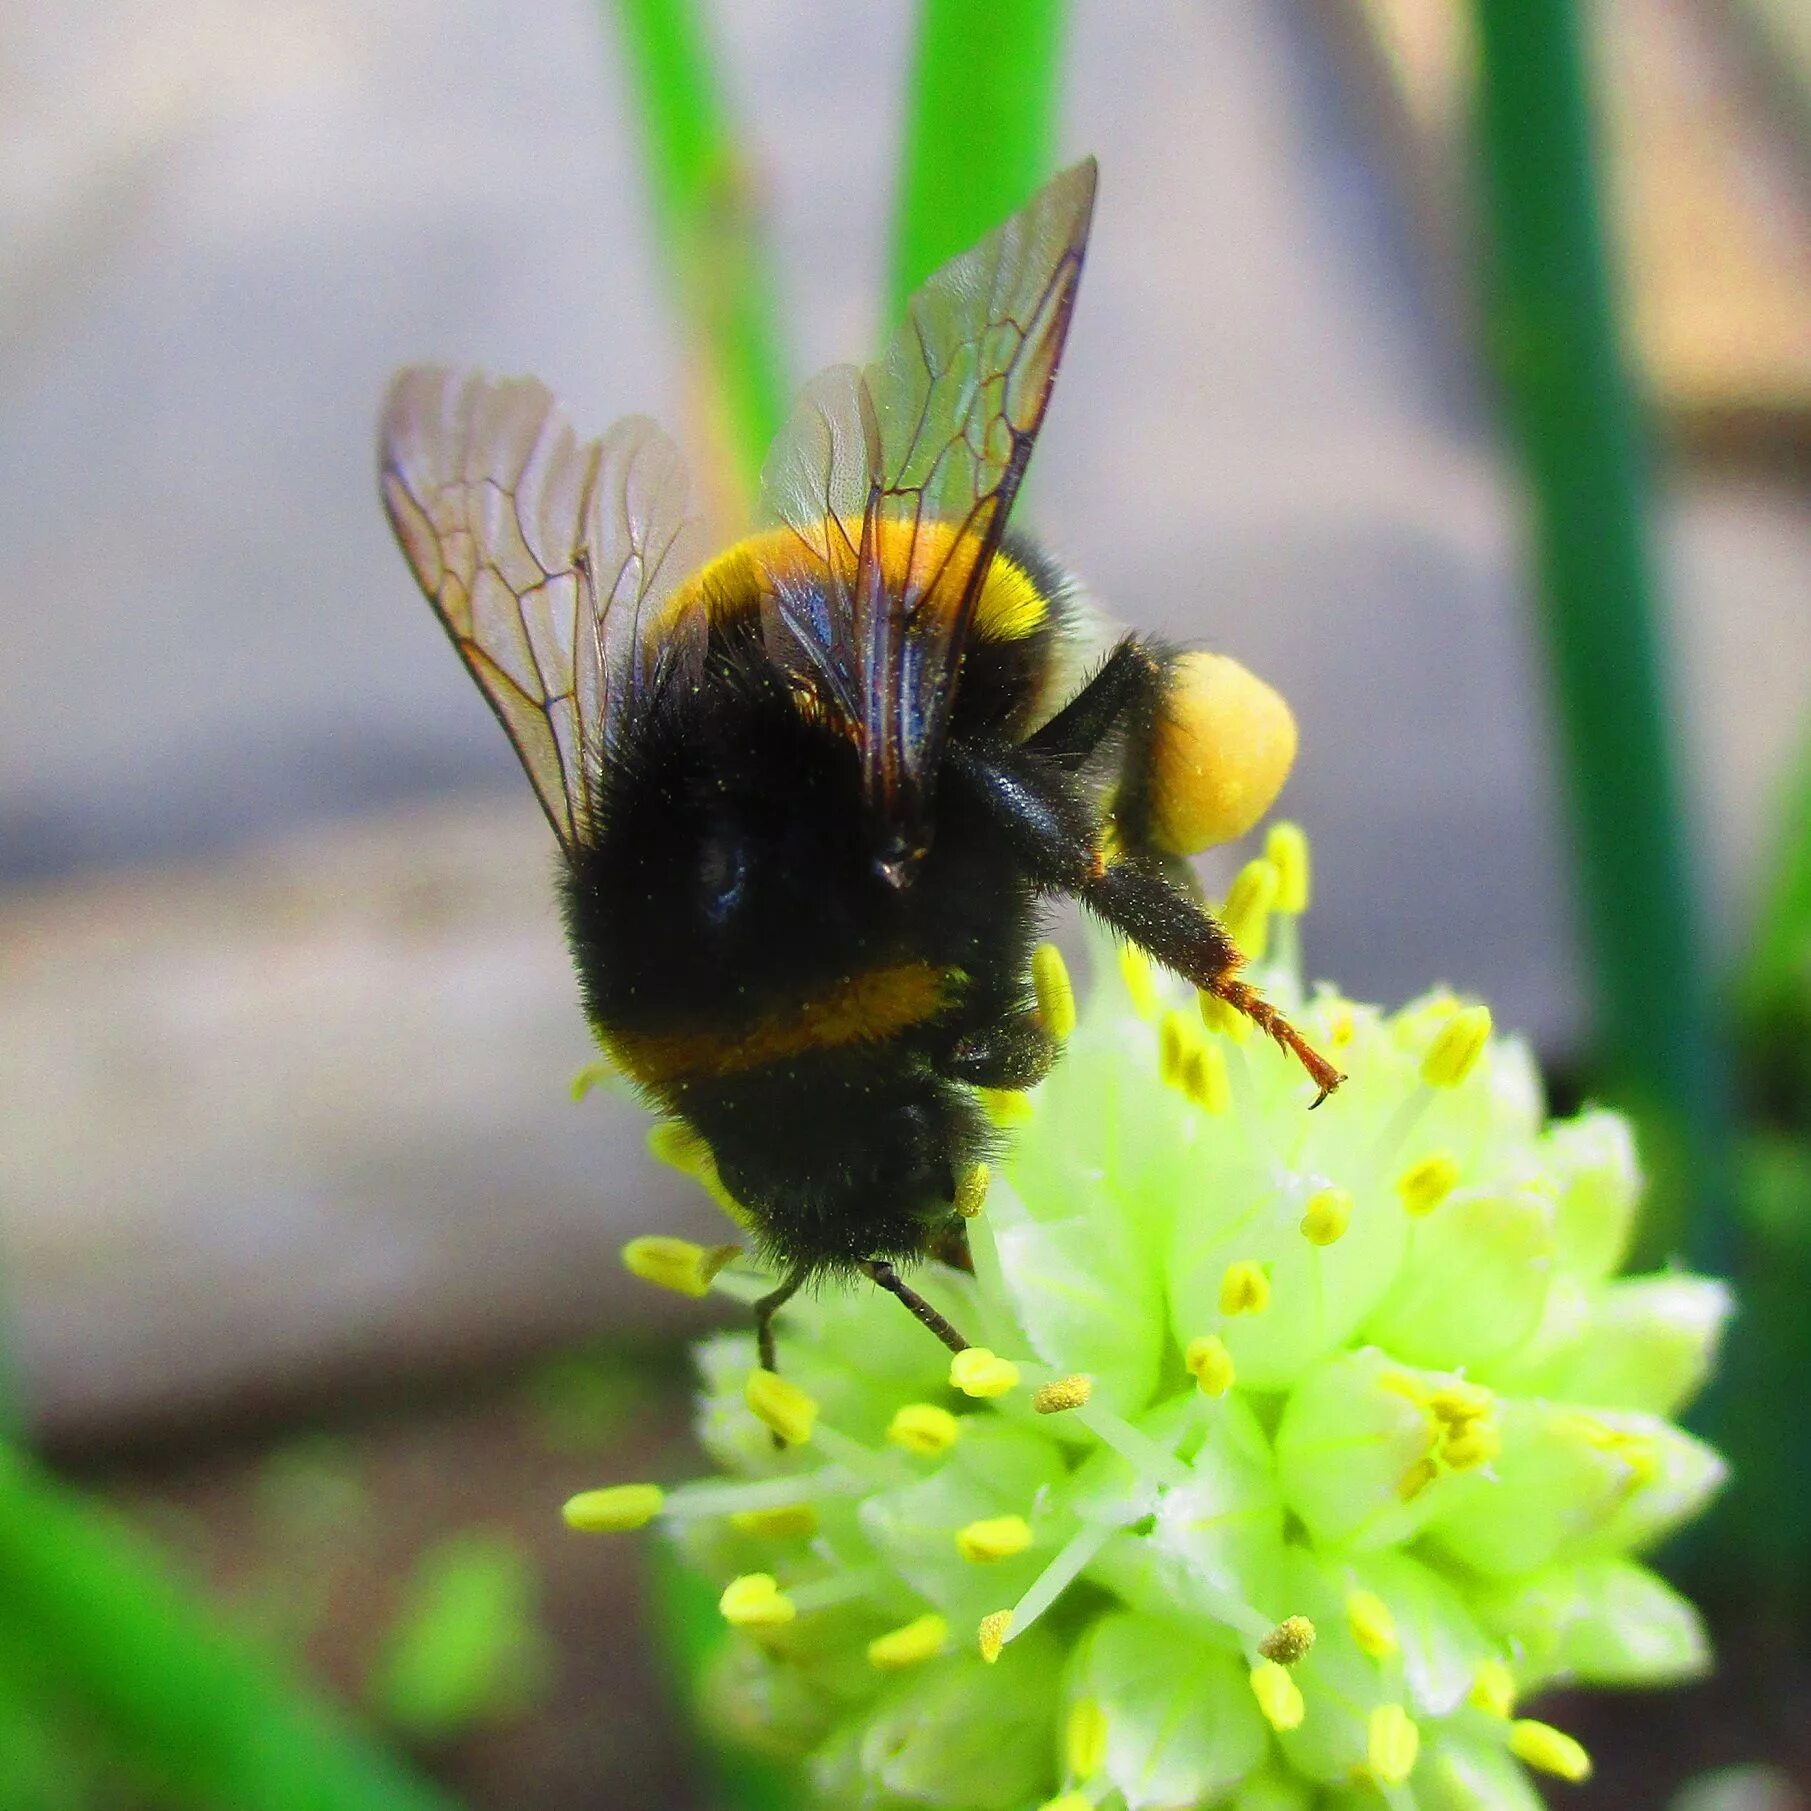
813, 794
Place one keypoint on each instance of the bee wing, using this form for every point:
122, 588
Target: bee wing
545, 558
898, 480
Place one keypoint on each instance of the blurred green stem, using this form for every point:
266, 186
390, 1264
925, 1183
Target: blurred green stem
981, 127
208, 1718
706, 207
1572, 406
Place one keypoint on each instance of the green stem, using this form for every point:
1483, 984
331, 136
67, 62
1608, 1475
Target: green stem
705, 200
207, 1717
1573, 409
980, 127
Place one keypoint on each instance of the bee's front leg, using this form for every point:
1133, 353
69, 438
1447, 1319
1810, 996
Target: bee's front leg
1013, 1051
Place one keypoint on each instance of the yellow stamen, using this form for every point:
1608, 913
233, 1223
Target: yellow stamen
1476, 1443
615, 1509
971, 1191
1493, 1689
1244, 1289
1288, 1641
1286, 849
672, 1142
1549, 1750
1456, 1048
1210, 1364
1392, 1743
755, 1601
790, 1521
917, 1641
1327, 1216
1204, 1078
1416, 1479
993, 1633
1174, 1040
1216, 1015
1372, 1625
1424, 1185
676, 1264
1140, 981
925, 1429
783, 1406
1249, 901
995, 1537
983, 1374
1068, 1801
1062, 1393
1006, 1106
1278, 1695
1342, 1024
1055, 995
1459, 1402
1085, 1738
591, 1076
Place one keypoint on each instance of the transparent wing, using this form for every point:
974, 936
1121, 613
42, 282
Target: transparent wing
546, 559
900, 481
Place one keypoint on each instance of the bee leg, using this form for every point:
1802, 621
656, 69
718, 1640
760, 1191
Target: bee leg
765, 1309
890, 1280
1123, 694
1015, 1051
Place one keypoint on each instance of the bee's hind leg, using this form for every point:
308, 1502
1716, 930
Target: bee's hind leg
890, 1280
765, 1309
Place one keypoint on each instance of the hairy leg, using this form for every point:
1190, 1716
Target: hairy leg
765, 1309
890, 1280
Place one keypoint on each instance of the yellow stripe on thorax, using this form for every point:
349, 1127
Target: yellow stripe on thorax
1010, 607
860, 1009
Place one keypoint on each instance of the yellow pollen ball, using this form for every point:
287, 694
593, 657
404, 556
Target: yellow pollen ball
755, 1601
1055, 994
1210, 1364
1327, 1216
1062, 1393
1286, 849
1493, 1688
1278, 1695
1392, 1744
1289, 1641
676, 1264
917, 1641
1085, 1738
994, 1538
1246, 913
783, 1406
791, 1521
1140, 981
615, 1509
1424, 1185
1456, 1048
982, 1374
1372, 1625
971, 1191
1223, 747
1549, 1750
1244, 1289
924, 1428
993, 1634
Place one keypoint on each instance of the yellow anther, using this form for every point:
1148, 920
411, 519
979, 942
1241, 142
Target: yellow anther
1289, 1641
1372, 1625
1416, 1479
1175, 1038
981, 1373
1249, 901
1342, 1025
993, 1633
924, 1428
1068, 1801
1286, 849
676, 1264
1210, 1364
755, 1601
1424, 1185
1326, 1217
1205, 1080
971, 1191
1216, 1015
1493, 1688
1278, 1695
919, 1640
1392, 1743
1476, 1443
1055, 995
1140, 980
1244, 1289
995, 1537
790, 1521
1085, 1738
1549, 1750
1006, 1106
1458, 1044
672, 1142
1062, 1393
590, 1077
614, 1509
783, 1406
1459, 1402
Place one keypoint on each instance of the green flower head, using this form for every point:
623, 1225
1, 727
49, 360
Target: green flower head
1298, 1447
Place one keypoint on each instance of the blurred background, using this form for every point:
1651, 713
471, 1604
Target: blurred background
308, 1259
